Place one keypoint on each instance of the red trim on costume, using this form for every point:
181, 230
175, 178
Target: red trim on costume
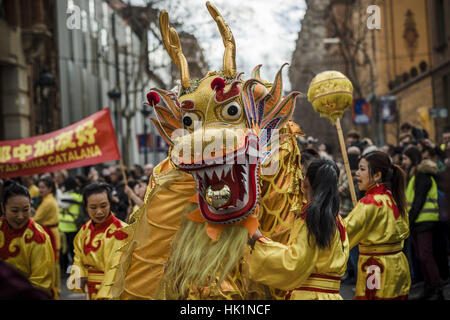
324, 276
380, 253
289, 293
315, 275
303, 209
52, 240
101, 228
371, 293
260, 238
341, 229
10, 234
380, 189
91, 287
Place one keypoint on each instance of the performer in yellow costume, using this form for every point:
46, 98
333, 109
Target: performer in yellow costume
379, 225
95, 245
23, 243
203, 210
311, 267
47, 214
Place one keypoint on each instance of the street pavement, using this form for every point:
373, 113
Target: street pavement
347, 291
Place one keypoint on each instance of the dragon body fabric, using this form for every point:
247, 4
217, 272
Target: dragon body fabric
233, 166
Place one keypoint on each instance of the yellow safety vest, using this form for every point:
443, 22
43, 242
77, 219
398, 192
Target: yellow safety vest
68, 216
430, 210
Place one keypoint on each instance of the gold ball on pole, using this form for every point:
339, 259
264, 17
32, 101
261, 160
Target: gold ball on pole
331, 93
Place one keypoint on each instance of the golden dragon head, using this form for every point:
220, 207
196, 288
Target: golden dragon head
221, 129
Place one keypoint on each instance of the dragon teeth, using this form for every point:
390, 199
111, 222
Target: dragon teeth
210, 173
226, 169
219, 172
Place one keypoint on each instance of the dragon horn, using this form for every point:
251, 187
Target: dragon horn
173, 47
229, 57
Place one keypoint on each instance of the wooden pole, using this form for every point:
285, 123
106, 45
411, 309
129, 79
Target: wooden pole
124, 174
346, 163
125, 180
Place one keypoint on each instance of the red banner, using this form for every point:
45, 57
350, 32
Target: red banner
87, 142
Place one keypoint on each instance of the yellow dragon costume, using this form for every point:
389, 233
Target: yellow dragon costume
233, 165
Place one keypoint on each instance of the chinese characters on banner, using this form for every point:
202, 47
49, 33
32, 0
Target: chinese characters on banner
87, 142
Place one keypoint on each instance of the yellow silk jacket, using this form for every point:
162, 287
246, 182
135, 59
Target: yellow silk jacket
380, 230
95, 246
29, 250
303, 269
47, 215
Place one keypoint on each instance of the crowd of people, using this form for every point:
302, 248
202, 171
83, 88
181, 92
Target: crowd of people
426, 165
56, 205
64, 211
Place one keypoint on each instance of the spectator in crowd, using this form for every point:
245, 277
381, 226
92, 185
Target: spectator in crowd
324, 152
353, 138
81, 181
405, 140
137, 172
422, 195
411, 159
397, 156
445, 139
60, 177
416, 134
47, 215
30, 183
70, 204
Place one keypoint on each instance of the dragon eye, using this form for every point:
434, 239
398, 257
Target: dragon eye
190, 120
232, 111
187, 121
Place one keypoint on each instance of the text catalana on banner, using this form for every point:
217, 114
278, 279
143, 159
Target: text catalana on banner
87, 142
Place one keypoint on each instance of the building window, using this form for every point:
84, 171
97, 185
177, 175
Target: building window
84, 37
440, 23
2, 10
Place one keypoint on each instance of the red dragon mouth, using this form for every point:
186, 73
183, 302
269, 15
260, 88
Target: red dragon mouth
228, 187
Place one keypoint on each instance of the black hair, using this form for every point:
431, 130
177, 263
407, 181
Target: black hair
49, 182
95, 188
132, 183
321, 215
414, 155
12, 189
431, 151
82, 180
71, 184
392, 176
405, 126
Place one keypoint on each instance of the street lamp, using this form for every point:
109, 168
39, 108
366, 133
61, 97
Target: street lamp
115, 94
46, 82
146, 112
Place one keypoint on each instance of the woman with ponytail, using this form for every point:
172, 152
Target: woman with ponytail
311, 267
379, 225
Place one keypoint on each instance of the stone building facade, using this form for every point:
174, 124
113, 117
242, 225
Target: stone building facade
406, 58
310, 58
28, 39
